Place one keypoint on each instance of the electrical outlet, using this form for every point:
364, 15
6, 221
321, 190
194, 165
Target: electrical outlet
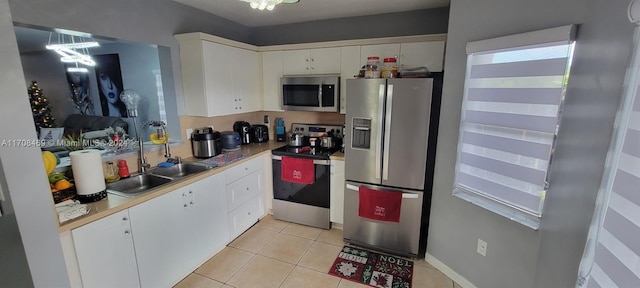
189, 131
482, 247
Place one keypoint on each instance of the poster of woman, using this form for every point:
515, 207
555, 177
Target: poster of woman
79, 86
109, 78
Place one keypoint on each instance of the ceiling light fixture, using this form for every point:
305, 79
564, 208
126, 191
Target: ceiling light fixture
69, 53
268, 4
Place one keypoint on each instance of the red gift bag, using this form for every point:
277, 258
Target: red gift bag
379, 205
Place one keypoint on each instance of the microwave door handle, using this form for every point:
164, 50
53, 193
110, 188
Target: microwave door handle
320, 95
379, 134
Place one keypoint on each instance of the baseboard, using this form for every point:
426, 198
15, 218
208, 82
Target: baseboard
453, 275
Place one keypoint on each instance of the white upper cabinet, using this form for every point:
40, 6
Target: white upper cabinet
312, 61
380, 50
429, 54
413, 54
246, 81
218, 71
349, 67
271, 73
218, 79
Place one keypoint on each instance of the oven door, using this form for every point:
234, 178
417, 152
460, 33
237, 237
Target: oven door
316, 194
306, 204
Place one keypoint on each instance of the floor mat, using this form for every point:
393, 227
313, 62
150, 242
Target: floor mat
373, 269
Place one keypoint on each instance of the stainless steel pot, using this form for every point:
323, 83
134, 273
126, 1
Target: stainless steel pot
327, 142
296, 139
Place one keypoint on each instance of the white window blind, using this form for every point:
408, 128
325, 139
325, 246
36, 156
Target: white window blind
514, 88
612, 254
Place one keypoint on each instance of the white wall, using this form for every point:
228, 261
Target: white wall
27, 183
518, 256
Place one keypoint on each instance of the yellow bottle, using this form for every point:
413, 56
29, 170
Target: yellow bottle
160, 137
110, 173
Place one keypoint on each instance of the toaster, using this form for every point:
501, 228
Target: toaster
259, 133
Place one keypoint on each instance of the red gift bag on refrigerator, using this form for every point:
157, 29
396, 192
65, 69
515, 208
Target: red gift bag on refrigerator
379, 205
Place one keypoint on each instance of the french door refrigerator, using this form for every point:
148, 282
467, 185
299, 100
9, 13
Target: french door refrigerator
390, 135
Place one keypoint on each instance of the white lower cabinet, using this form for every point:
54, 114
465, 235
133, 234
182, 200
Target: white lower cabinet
176, 232
245, 200
336, 210
105, 252
243, 217
159, 242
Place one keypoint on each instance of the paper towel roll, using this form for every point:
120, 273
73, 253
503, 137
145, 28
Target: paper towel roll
87, 171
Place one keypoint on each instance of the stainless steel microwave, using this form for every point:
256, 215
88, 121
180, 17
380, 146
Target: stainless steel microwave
311, 93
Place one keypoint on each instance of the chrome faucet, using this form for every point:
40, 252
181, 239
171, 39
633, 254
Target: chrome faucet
142, 161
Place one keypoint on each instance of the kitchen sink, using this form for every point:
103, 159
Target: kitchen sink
136, 185
180, 170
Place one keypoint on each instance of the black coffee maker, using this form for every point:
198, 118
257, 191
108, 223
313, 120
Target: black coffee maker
244, 129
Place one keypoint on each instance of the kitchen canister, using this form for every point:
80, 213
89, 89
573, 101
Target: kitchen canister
372, 69
88, 175
389, 68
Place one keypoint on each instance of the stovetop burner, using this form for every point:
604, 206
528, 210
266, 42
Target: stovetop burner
304, 152
316, 131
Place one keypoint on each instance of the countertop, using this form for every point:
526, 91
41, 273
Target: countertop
337, 156
114, 203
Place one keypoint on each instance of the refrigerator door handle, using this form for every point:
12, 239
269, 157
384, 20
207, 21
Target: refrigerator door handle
353, 187
387, 133
380, 126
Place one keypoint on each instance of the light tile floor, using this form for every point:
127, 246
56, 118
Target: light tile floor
275, 253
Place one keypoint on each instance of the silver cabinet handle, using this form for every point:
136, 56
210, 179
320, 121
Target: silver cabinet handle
125, 218
126, 232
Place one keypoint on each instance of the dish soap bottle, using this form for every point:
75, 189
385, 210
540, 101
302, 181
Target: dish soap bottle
111, 174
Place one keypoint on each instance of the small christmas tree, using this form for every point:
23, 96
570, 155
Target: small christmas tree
40, 108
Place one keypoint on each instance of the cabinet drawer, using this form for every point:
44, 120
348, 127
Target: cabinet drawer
242, 190
245, 216
243, 169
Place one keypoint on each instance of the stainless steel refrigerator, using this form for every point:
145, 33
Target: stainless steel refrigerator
390, 136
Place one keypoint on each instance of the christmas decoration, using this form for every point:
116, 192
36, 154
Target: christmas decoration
40, 108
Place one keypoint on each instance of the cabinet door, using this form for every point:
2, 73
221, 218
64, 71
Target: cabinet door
245, 216
349, 67
207, 220
218, 78
271, 74
324, 61
161, 239
244, 189
336, 205
246, 80
242, 169
295, 62
105, 252
381, 50
429, 54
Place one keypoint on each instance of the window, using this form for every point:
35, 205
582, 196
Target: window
514, 88
612, 253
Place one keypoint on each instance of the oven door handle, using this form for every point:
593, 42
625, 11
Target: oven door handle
315, 161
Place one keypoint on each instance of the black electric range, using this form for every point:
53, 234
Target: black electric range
309, 131
304, 152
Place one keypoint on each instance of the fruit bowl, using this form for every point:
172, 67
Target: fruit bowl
63, 195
